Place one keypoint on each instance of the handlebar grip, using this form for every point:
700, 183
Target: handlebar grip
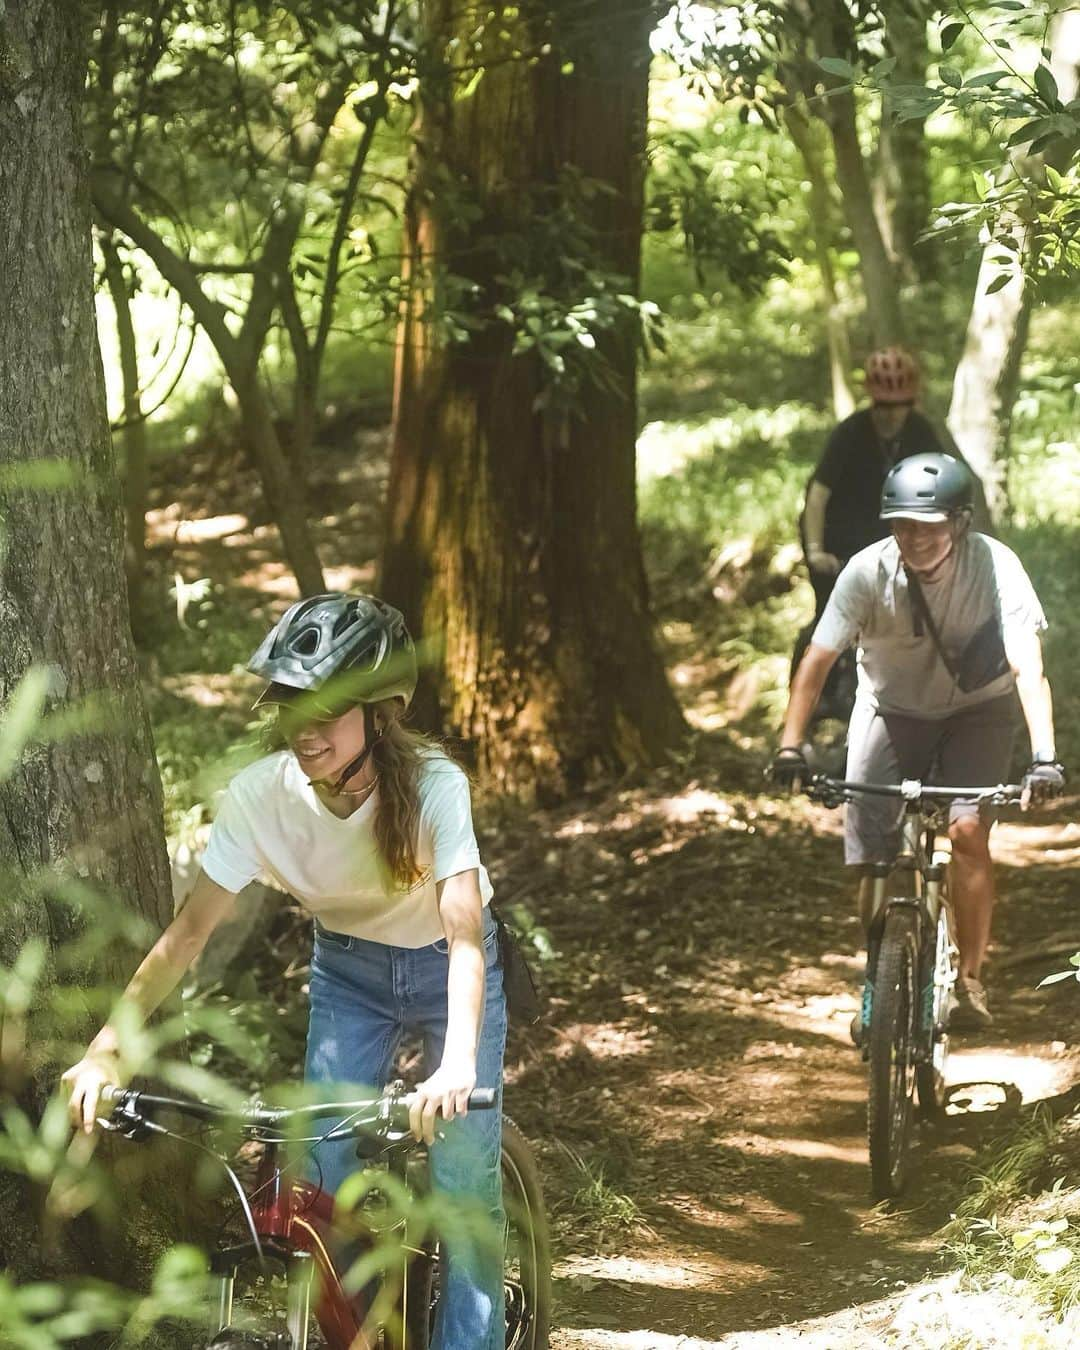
481, 1099
111, 1095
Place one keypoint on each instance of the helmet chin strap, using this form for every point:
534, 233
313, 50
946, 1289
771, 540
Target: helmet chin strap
371, 737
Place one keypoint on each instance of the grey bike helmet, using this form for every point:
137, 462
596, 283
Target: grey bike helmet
342, 649
929, 487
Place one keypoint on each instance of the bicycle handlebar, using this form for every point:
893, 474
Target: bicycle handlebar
834, 791
385, 1111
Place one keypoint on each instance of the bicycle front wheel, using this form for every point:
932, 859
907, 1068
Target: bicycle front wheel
893, 1050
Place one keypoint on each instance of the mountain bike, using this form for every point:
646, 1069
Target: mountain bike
910, 968
293, 1228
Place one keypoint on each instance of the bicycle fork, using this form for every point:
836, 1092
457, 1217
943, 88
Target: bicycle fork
299, 1272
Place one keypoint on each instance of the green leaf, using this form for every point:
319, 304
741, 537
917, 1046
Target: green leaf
1029, 131
22, 717
1056, 978
986, 79
833, 65
1047, 87
1002, 279
951, 76
949, 34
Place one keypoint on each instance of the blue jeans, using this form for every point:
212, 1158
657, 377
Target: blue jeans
364, 995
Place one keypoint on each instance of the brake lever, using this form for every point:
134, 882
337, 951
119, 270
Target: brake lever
127, 1123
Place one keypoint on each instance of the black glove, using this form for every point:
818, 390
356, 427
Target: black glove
1042, 782
789, 768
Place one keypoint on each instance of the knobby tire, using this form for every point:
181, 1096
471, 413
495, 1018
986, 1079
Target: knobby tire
893, 1044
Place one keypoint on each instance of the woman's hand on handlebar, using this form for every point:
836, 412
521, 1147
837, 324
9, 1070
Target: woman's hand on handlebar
84, 1083
446, 1092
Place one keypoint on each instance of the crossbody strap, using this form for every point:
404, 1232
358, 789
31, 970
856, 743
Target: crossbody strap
922, 613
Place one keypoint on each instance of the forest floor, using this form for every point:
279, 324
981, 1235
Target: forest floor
693, 1095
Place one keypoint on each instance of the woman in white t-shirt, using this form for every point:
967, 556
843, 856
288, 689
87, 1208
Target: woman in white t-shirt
369, 825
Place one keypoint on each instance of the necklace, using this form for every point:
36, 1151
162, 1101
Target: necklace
361, 794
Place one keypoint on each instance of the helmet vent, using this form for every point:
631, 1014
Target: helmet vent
307, 642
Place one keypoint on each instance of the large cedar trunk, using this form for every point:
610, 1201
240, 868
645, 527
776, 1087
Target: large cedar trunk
512, 535
86, 806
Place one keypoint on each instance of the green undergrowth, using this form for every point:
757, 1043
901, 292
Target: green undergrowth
1018, 1224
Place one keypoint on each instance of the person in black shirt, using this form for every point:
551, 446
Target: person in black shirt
844, 494
843, 497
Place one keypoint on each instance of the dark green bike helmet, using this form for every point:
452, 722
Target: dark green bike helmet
336, 650
928, 487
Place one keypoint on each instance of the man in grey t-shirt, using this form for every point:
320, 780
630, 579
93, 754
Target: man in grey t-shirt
948, 631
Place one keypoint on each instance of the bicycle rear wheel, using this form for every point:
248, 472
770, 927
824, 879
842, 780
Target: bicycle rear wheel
893, 1046
938, 967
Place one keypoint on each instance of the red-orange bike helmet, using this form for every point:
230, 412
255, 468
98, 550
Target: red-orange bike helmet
892, 376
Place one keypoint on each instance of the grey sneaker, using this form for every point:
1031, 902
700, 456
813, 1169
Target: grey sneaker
970, 1012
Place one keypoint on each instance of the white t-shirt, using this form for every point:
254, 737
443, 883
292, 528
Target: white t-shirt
271, 822
900, 669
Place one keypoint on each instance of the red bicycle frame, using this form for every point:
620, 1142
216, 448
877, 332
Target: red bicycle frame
295, 1223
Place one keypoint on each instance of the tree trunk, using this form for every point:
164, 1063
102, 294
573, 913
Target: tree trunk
512, 536
135, 472
988, 374
832, 26
903, 164
804, 133
79, 810
282, 483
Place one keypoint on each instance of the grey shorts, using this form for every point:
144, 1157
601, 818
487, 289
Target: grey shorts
972, 748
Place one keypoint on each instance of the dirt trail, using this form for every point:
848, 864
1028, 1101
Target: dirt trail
700, 1067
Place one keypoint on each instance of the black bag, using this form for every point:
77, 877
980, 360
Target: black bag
524, 1002
983, 659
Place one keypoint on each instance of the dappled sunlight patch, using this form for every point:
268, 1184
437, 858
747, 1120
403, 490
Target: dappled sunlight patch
211, 690
1023, 845
347, 577
271, 579
598, 1338
602, 1040
814, 1150
1033, 1072
660, 1271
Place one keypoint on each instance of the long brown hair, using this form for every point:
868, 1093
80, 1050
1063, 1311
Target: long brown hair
398, 755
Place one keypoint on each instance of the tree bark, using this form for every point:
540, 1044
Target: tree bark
831, 23
988, 374
133, 436
81, 809
803, 132
903, 164
512, 536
